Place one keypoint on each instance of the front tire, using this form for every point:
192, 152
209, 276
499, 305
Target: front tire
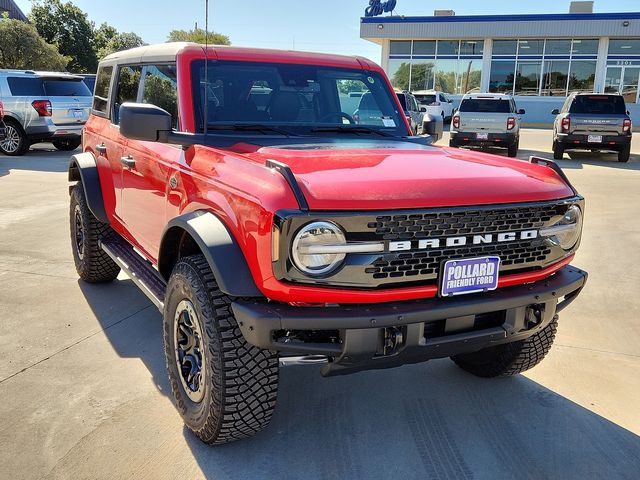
225, 389
67, 145
92, 263
16, 142
510, 358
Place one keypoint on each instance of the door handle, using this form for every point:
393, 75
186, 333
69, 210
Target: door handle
102, 148
128, 161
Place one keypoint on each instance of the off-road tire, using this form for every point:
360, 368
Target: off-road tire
512, 150
13, 128
92, 264
67, 145
240, 380
624, 154
558, 151
510, 358
453, 144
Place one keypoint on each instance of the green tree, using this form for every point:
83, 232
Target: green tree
119, 42
22, 48
67, 26
102, 35
400, 78
197, 35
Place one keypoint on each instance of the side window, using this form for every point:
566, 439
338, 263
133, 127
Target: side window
101, 96
25, 86
414, 104
160, 89
127, 90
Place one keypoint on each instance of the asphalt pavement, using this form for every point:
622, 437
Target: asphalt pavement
84, 393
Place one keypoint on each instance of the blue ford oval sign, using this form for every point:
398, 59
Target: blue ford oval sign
377, 7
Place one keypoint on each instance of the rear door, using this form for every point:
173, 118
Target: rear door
484, 115
146, 179
70, 99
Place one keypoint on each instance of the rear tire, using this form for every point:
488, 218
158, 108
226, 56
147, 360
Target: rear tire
16, 142
509, 358
453, 144
67, 145
92, 263
232, 393
624, 154
558, 151
512, 150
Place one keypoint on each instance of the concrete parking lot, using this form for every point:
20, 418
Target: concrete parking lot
84, 394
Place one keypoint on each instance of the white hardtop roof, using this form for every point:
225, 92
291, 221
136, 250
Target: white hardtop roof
488, 96
161, 52
426, 92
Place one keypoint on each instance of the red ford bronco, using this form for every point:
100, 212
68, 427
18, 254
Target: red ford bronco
266, 221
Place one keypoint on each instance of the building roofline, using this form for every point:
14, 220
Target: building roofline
545, 17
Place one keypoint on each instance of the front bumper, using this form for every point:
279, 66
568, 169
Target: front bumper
609, 142
426, 329
493, 139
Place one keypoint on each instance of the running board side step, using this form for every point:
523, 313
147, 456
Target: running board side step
140, 270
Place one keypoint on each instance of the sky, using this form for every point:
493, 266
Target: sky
330, 26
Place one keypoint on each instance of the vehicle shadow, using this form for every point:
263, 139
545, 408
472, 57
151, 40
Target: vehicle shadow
575, 160
421, 421
40, 158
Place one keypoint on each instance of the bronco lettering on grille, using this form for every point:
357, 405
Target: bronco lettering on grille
428, 243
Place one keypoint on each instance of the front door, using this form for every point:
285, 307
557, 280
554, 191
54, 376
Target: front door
624, 80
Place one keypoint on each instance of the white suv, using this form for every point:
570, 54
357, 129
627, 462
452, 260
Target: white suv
435, 103
43, 106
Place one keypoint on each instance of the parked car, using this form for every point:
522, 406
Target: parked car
3, 134
42, 106
90, 80
412, 111
596, 122
487, 120
435, 103
288, 229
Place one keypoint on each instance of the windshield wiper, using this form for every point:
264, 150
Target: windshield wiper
251, 127
350, 129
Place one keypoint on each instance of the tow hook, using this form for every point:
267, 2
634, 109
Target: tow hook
392, 340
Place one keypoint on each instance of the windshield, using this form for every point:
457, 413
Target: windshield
598, 105
296, 97
482, 105
426, 99
66, 88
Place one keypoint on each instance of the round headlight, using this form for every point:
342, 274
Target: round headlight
566, 231
309, 252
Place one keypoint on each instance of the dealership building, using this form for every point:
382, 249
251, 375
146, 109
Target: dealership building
538, 58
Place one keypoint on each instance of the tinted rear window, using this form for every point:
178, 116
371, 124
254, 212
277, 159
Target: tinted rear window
26, 86
66, 88
426, 98
598, 105
403, 100
488, 106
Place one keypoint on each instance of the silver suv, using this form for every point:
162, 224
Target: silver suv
487, 120
42, 107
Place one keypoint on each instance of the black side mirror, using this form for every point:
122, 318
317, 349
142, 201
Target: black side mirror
455, 110
555, 111
423, 109
149, 123
139, 121
628, 112
521, 111
449, 101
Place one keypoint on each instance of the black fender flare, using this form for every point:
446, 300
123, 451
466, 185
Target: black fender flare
83, 168
219, 247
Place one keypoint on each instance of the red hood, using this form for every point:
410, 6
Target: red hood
393, 175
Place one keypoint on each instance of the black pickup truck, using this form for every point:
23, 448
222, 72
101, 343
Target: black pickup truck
592, 121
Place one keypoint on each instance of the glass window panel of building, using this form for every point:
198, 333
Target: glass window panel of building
400, 73
624, 46
550, 76
422, 75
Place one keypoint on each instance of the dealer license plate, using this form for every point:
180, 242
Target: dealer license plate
594, 139
469, 275
482, 136
77, 114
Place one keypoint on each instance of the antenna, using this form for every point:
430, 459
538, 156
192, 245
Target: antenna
206, 65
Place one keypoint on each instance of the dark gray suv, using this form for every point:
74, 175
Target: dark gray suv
592, 121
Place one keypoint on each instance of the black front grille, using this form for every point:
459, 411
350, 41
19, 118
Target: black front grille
425, 264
